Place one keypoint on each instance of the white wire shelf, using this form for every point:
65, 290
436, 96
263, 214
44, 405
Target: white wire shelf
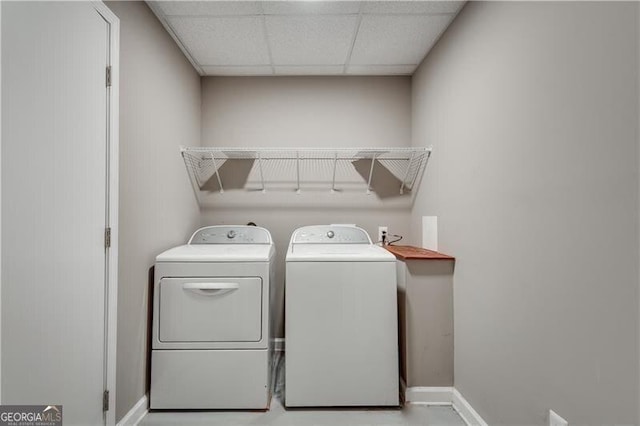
215, 169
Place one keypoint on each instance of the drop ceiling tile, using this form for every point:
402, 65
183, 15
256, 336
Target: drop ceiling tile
223, 41
310, 40
396, 39
202, 8
232, 70
381, 69
309, 70
429, 7
310, 7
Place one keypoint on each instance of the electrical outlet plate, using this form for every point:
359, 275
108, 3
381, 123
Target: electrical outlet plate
382, 229
556, 420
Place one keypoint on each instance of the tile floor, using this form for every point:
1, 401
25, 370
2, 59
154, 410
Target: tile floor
409, 415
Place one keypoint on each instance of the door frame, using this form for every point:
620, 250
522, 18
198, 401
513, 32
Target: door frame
111, 296
111, 290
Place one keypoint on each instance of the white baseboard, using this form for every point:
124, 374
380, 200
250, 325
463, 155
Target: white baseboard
137, 412
443, 396
278, 344
429, 395
466, 411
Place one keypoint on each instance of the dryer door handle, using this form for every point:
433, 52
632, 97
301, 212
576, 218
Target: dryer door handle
210, 289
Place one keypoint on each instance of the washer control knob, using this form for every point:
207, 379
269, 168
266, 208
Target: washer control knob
330, 234
231, 234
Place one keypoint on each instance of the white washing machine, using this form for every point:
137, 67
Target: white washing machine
341, 324
211, 346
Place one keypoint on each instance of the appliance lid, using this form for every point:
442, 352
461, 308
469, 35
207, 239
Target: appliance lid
338, 253
218, 253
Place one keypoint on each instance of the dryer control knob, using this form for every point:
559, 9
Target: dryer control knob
330, 234
231, 234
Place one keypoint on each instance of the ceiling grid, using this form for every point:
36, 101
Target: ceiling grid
305, 37
353, 41
266, 36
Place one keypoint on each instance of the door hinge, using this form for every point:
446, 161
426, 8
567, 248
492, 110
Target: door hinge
107, 237
105, 401
108, 76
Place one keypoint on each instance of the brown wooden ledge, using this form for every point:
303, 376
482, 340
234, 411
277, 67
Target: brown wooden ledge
411, 252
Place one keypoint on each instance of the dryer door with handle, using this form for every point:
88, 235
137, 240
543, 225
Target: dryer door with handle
210, 309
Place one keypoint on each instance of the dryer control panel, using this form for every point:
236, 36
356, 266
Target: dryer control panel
223, 234
330, 234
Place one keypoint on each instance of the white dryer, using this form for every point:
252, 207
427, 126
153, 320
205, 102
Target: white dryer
341, 323
211, 346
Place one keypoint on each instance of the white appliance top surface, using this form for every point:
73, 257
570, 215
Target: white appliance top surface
338, 253
336, 243
224, 243
218, 253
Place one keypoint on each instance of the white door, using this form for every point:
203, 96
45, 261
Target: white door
54, 206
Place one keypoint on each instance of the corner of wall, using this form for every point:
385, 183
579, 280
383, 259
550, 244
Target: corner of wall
638, 171
151, 220
0, 206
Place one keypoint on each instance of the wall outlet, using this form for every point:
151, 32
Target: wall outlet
556, 420
382, 229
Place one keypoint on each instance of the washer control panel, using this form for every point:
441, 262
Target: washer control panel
330, 234
223, 234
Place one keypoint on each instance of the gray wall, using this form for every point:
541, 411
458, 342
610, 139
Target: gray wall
159, 110
305, 112
532, 109
425, 311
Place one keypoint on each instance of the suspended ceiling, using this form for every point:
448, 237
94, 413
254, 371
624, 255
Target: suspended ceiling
305, 37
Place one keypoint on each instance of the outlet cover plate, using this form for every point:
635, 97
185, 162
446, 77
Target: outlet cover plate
380, 230
556, 420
